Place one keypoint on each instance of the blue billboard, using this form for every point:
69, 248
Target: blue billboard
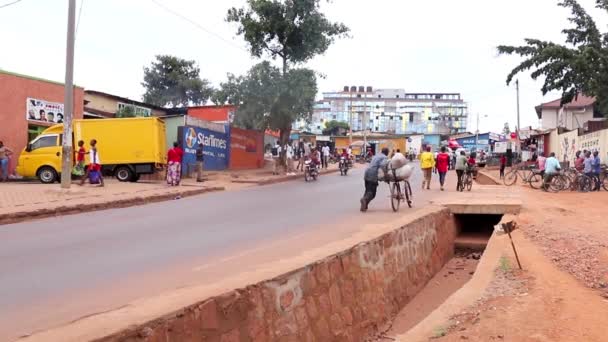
216, 148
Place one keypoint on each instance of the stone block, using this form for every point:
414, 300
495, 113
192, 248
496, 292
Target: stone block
232, 336
348, 292
301, 318
321, 272
335, 269
336, 324
209, 315
311, 308
335, 297
347, 316
324, 304
322, 330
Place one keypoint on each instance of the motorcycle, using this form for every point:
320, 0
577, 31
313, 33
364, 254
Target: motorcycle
343, 166
311, 171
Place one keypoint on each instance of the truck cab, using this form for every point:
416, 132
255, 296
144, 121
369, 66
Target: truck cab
42, 157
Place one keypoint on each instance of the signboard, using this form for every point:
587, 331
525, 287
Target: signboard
216, 147
43, 111
501, 146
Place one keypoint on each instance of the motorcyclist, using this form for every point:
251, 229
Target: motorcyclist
315, 158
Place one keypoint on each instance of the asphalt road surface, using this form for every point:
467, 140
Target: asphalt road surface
56, 270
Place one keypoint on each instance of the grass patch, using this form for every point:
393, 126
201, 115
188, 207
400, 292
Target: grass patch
439, 332
505, 264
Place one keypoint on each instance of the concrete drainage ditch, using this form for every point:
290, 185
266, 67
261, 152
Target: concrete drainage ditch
353, 295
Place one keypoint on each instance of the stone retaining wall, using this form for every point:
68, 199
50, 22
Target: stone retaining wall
345, 297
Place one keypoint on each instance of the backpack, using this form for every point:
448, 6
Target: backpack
274, 151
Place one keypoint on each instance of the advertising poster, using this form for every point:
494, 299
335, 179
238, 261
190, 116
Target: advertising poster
44, 111
246, 149
216, 148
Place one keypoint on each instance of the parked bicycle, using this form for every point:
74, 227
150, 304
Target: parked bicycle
578, 180
527, 175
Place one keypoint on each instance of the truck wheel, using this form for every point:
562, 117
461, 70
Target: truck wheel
123, 173
47, 175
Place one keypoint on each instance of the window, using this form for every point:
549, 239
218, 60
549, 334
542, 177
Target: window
397, 96
379, 96
139, 111
45, 141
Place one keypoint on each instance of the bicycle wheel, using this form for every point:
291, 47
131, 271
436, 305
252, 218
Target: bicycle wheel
469, 183
510, 178
536, 181
395, 196
605, 182
526, 174
557, 184
408, 193
584, 183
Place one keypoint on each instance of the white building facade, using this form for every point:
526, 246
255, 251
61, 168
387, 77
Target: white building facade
390, 111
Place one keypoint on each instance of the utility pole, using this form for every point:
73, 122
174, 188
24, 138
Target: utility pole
518, 126
68, 103
477, 135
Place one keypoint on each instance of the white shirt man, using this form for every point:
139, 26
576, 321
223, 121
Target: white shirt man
289, 159
325, 150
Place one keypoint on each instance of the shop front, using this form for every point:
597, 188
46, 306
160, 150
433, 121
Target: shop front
29, 106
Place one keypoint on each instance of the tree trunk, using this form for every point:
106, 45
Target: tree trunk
284, 134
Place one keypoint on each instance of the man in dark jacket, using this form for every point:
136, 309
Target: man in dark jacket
199, 162
371, 178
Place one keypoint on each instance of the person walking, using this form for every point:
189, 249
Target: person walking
597, 170
443, 163
174, 168
370, 178
5, 152
289, 159
427, 163
461, 167
326, 151
276, 155
503, 165
94, 166
588, 165
200, 158
79, 168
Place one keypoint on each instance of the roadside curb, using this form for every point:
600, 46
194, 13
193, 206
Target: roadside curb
81, 208
489, 178
290, 178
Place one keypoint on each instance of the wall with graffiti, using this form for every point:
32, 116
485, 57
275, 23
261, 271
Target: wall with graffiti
571, 142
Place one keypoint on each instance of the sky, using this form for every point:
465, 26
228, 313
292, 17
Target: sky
417, 45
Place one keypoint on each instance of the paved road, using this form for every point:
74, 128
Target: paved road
54, 270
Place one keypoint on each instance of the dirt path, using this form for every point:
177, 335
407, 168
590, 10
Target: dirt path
541, 303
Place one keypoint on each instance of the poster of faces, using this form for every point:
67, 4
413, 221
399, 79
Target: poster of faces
44, 111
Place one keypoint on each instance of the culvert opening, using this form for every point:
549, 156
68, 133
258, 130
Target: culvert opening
474, 232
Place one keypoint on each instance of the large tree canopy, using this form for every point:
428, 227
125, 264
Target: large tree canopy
267, 99
293, 30
580, 66
174, 82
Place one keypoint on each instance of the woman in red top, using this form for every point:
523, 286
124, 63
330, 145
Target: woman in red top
174, 168
442, 165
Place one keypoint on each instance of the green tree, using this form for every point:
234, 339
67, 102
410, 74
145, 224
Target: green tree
126, 112
293, 31
174, 82
267, 99
336, 128
580, 66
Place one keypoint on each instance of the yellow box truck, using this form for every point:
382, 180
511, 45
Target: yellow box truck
128, 148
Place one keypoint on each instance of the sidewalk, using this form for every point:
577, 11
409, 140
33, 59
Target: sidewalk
30, 200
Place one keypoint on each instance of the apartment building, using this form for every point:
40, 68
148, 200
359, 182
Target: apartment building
390, 111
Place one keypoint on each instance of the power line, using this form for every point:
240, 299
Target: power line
79, 14
199, 26
10, 3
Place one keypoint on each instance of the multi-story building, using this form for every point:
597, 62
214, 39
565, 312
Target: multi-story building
390, 111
